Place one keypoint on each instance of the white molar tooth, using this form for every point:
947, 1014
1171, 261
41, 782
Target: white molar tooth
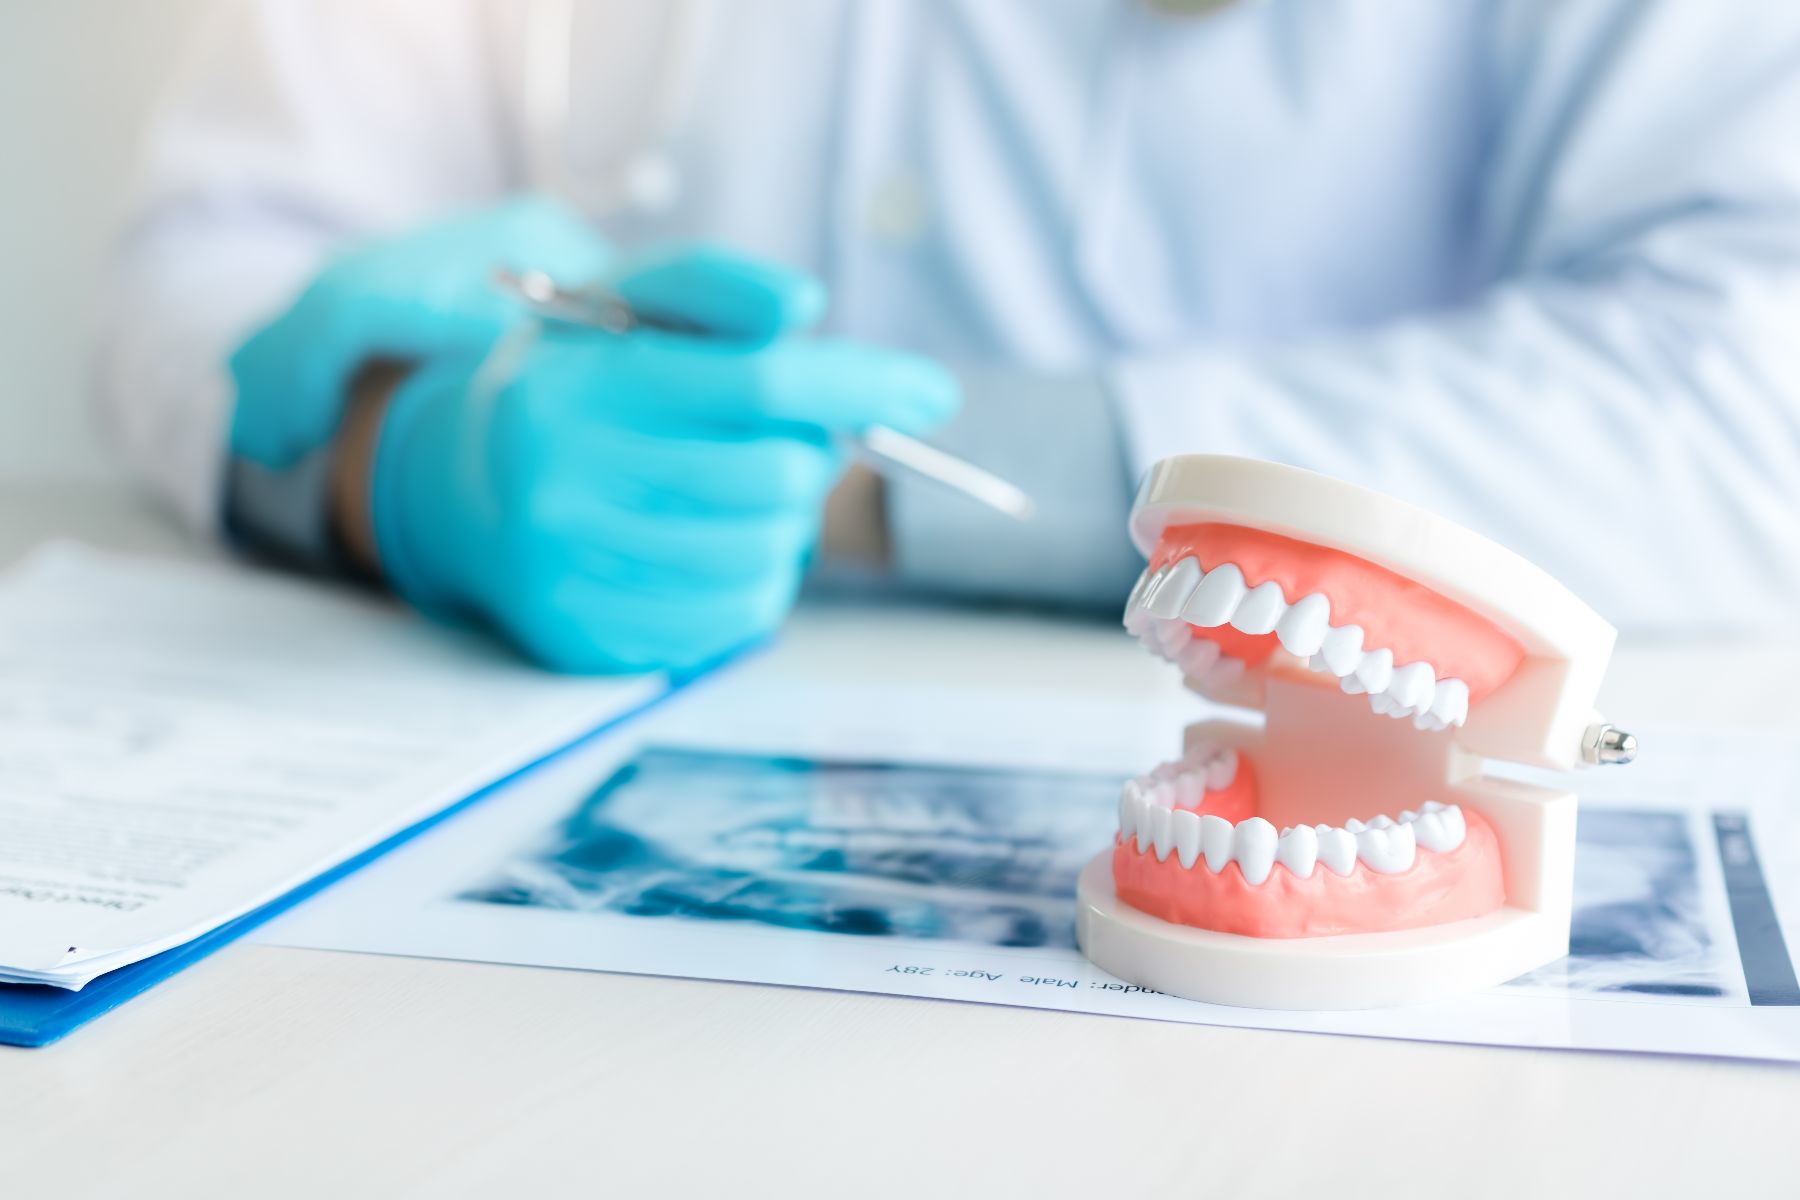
1162, 830
1382, 703
1408, 816
1317, 663
1215, 841
1260, 610
1253, 849
1190, 789
1198, 656
1221, 771
1303, 627
1298, 850
1450, 701
1225, 672
1427, 722
1337, 848
1216, 598
1388, 849
1381, 821
1454, 824
1182, 579
1376, 670
1342, 649
1441, 830
1186, 826
1350, 685
1200, 753
1354, 825
1413, 686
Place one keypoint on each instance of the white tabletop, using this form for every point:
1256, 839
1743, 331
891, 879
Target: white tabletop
275, 1072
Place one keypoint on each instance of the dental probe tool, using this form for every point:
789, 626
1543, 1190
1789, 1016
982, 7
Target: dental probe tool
599, 308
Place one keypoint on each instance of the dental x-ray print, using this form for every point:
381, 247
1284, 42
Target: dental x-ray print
989, 857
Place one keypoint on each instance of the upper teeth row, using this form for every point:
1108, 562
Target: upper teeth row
1168, 600
1204, 768
1387, 845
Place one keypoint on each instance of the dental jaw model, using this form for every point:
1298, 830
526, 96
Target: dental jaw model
1350, 852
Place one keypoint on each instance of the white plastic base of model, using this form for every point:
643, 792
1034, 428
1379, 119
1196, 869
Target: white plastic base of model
1358, 970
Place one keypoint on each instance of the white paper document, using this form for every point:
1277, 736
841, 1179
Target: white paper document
180, 744
924, 840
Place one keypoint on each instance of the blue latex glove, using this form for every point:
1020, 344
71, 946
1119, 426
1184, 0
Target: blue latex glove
625, 502
637, 501
407, 298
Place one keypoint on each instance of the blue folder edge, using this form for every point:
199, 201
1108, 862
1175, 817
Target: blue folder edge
36, 1014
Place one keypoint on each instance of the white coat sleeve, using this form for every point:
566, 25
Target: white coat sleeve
297, 125
1622, 405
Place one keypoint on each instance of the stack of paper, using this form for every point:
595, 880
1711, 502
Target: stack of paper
180, 744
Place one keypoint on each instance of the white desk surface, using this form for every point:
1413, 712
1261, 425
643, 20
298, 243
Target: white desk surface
266, 1072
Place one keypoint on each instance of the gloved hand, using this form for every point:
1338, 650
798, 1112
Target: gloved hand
405, 298
636, 501
625, 502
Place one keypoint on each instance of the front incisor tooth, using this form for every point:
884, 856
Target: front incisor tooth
1216, 598
1337, 848
1162, 831
1298, 850
1303, 627
1137, 595
1342, 649
1253, 849
1261, 610
1186, 823
1128, 799
1184, 576
1388, 849
1376, 670
1142, 615
1215, 841
1140, 822
1412, 686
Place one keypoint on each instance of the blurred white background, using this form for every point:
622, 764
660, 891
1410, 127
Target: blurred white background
77, 79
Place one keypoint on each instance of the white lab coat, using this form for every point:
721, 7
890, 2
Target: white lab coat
1533, 264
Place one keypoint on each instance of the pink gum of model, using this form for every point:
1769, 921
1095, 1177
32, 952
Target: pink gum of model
1413, 621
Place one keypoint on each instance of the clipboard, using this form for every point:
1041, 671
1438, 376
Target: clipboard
33, 1015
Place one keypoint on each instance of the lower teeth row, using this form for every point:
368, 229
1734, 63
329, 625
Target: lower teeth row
1385, 845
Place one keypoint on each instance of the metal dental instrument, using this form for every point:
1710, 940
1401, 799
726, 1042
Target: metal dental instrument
605, 310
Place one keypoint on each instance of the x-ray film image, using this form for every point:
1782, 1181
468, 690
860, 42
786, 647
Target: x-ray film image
990, 856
